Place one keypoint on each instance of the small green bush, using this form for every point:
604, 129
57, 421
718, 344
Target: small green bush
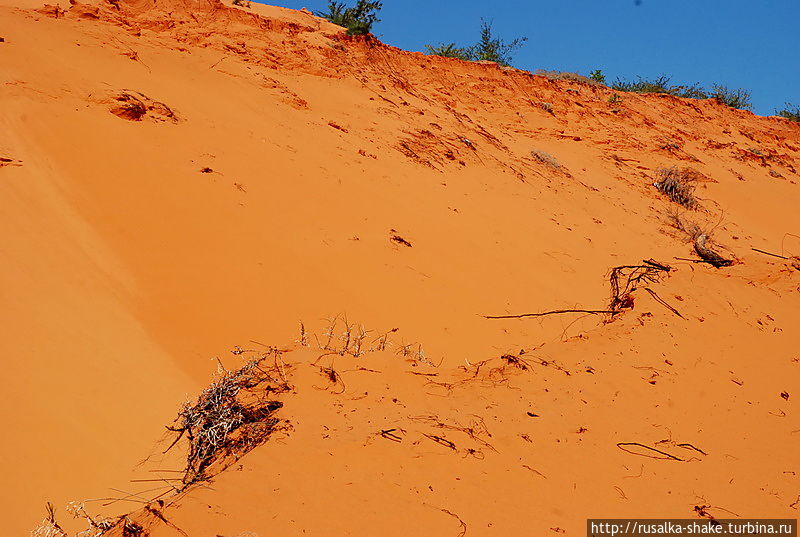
656, 85
598, 76
790, 112
449, 50
358, 19
738, 98
494, 49
488, 48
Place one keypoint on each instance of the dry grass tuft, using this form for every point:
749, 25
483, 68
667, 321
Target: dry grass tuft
49, 526
678, 185
572, 77
545, 158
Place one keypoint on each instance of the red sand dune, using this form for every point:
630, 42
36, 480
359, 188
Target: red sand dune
181, 177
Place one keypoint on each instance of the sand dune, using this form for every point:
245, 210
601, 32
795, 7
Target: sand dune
180, 178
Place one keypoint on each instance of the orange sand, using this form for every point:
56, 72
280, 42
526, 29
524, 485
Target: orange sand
126, 269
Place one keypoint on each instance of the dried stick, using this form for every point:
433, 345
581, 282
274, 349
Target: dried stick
554, 312
708, 255
768, 253
623, 445
663, 303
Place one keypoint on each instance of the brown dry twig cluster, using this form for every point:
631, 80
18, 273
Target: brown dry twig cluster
625, 279
230, 417
345, 338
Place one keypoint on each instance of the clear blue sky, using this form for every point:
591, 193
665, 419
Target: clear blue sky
751, 44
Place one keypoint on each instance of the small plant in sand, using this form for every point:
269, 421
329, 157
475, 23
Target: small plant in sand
495, 49
660, 84
598, 76
343, 337
358, 19
488, 48
614, 99
738, 98
790, 112
449, 50
678, 185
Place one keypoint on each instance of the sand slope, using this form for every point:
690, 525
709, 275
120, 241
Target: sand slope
182, 177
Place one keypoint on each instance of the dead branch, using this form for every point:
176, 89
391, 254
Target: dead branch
624, 280
463, 531
553, 312
225, 421
389, 435
442, 441
769, 253
663, 303
708, 255
690, 446
624, 445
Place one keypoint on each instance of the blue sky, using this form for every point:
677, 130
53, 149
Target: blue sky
749, 44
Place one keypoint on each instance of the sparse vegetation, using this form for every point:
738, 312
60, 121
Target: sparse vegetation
598, 76
488, 48
565, 75
614, 99
738, 98
678, 185
660, 84
449, 50
495, 49
358, 19
790, 112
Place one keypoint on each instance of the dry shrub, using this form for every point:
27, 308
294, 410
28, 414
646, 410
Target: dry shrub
49, 526
573, 77
545, 158
678, 220
678, 184
231, 417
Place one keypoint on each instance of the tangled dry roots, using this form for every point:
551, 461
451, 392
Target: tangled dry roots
229, 418
626, 279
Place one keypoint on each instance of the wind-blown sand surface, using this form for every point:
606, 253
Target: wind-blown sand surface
179, 178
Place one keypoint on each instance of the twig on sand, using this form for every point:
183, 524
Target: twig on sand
624, 445
769, 253
663, 303
463, 524
439, 440
690, 446
553, 312
389, 434
624, 280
